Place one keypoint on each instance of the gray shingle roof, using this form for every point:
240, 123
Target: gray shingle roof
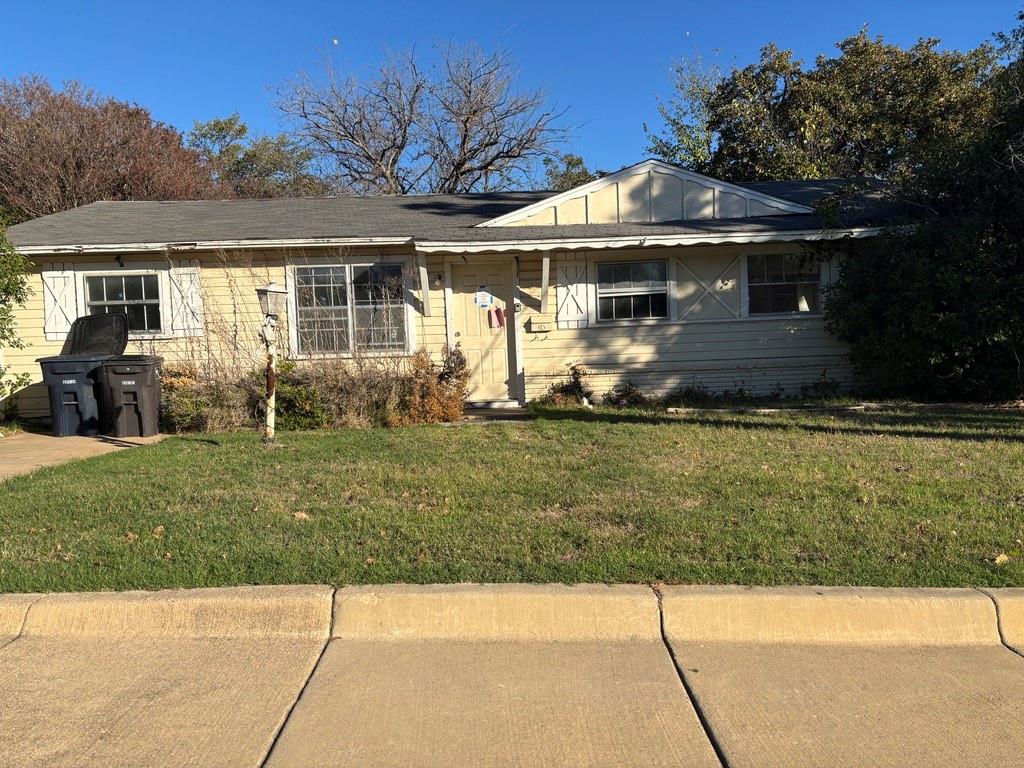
423, 217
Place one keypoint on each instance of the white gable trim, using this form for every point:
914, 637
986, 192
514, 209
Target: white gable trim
646, 166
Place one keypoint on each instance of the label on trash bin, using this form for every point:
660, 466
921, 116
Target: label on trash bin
128, 383
69, 381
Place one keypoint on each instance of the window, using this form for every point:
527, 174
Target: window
138, 296
342, 309
779, 283
322, 310
635, 290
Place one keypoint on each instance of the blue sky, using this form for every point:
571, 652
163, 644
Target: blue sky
606, 63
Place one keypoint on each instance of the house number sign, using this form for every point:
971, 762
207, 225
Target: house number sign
483, 298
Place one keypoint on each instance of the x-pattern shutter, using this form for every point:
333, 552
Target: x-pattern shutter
60, 302
186, 299
572, 293
706, 288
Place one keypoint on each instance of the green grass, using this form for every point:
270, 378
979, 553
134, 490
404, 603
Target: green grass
897, 497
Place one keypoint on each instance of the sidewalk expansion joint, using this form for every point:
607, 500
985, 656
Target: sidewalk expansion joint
999, 622
715, 745
302, 690
24, 623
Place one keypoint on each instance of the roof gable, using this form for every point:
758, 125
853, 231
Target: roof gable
649, 192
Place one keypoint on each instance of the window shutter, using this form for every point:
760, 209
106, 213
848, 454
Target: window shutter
572, 293
186, 299
60, 301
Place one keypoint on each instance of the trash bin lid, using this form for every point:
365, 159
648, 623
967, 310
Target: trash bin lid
97, 335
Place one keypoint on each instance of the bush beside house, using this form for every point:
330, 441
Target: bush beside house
362, 391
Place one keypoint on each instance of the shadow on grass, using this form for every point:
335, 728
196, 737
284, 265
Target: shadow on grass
928, 422
185, 438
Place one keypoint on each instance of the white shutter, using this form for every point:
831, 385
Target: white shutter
186, 299
572, 293
60, 300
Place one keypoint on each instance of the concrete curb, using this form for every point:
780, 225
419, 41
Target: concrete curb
1010, 604
830, 615
494, 612
250, 612
542, 612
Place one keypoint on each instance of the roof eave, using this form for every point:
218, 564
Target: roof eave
210, 245
644, 241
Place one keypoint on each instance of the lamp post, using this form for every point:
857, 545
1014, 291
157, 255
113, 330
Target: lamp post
272, 298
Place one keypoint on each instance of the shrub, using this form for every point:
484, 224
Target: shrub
823, 389
697, 396
572, 391
195, 400
627, 395
436, 394
299, 404
361, 391
9, 385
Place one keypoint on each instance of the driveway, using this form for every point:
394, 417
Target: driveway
25, 452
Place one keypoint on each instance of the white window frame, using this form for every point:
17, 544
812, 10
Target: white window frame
163, 285
593, 260
824, 275
349, 264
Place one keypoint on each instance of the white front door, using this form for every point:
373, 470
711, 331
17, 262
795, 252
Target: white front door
483, 328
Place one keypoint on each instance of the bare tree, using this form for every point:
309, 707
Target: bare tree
460, 126
62, 149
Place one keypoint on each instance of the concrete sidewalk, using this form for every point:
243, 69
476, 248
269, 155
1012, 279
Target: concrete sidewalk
513, 675
25, 452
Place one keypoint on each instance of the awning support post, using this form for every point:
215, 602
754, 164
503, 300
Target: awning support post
545, 280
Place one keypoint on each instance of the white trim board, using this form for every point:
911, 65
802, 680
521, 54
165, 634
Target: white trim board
208, 245
634, 241
469, 246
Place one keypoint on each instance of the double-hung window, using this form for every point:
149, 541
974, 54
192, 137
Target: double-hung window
345, 309
783, 284
632, 290
138, 296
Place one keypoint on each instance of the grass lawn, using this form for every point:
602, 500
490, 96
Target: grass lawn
896, 497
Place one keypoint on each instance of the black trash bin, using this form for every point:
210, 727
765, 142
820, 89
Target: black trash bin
130, 395
72, 376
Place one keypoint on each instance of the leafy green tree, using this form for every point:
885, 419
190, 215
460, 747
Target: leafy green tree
937, 310
13, 293
875, 109
688, 139
266, 166
566, 171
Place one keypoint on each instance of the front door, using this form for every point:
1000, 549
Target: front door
483, 327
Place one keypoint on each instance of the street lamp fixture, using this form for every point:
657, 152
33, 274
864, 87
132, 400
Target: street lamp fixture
272, 303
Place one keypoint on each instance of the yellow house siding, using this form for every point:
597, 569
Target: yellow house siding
432, 332
708, 343
709, 347
230, 338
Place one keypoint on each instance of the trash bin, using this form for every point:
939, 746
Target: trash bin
72, 376
130, 395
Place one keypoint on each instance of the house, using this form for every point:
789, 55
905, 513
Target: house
654, 274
